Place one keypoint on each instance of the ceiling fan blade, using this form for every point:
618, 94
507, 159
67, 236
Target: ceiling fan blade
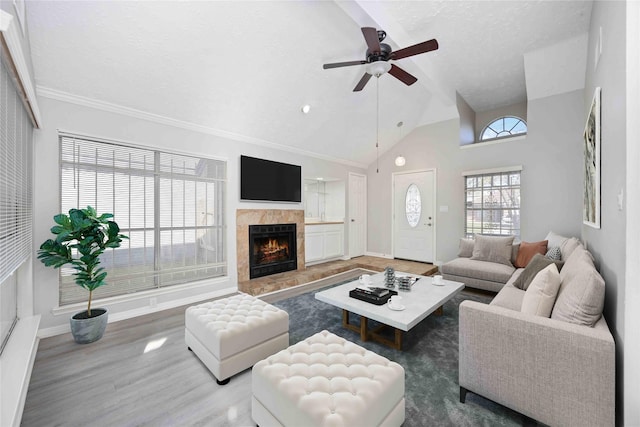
363, 81
371, 37
416, 49
343, 64
402, 75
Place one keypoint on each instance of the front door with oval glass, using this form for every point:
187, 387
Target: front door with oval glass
414, 215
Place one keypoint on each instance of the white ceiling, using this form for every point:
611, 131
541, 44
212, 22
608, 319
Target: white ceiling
246, 68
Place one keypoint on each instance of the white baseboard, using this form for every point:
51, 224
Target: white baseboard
141, 311
16, 365
386, 256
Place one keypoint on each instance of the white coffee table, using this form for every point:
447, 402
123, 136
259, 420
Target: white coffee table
423, 299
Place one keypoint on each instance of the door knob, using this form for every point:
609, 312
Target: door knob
429, 224
353, 220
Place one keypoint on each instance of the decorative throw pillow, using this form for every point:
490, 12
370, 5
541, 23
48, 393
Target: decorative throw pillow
555, 240
528, 250
493, 249
466, 248
554, 253
537, 263
581, 296
541, 293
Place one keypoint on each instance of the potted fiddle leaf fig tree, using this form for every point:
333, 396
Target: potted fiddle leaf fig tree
81, 237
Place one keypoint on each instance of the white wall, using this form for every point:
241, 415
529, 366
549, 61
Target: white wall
631, 384
467, 121
607, 244
551, 156
80, 119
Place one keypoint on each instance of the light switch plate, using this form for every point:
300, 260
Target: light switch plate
621, 199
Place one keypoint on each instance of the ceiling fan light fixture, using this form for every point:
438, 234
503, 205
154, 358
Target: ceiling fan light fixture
378, 68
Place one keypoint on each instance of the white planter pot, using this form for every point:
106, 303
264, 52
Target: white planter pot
89, 329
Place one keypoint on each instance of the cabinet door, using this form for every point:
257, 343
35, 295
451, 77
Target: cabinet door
333, 244
313, 245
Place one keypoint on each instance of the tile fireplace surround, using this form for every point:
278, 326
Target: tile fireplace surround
247, 217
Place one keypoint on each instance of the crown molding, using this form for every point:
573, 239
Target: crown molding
10, 37
58, 95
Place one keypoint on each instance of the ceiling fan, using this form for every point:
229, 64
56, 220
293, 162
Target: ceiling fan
378, 54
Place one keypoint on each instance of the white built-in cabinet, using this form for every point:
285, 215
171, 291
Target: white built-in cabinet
323, 242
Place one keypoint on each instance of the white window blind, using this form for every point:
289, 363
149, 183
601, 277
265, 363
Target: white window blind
16, 145
492, 203
170, 205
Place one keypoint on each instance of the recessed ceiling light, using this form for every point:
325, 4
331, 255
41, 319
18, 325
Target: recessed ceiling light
306, 108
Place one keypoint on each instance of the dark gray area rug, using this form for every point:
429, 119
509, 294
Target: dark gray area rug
429, 357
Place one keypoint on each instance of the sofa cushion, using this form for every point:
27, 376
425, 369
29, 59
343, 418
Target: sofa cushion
509, 297
537, 263
581, 295
566, 244
555, 240
496, 249
578, 261
466, 248
541, 293
568, 247
528, 250
514, 252
490, 271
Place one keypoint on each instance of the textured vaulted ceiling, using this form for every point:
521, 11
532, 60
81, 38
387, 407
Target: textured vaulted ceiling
246, 68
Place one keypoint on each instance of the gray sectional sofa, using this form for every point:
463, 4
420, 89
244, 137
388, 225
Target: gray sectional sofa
557, 367
488, 271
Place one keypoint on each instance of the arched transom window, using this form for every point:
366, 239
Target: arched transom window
503, 127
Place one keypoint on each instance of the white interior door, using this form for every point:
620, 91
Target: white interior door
357, 218
414, 215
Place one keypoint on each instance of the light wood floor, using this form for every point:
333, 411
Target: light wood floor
121, 381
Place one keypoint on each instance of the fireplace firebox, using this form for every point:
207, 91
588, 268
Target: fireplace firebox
272, 249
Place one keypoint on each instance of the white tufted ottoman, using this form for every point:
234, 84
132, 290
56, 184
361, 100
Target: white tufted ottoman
326, 380
231, 334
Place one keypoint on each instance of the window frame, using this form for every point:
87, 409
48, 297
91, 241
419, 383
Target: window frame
16, 199
153, 272
511, 135
487, 211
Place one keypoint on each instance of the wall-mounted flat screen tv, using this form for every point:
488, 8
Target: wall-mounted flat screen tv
266, 180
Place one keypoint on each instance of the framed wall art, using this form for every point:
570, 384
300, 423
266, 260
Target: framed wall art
591, 201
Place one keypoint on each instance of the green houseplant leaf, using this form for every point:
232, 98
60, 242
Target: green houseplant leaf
90, 235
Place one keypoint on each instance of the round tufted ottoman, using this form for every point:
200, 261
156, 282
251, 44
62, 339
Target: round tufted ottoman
326, 380
231, 334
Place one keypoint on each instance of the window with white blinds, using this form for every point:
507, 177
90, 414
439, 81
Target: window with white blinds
170, 205
16, 145
492, 203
